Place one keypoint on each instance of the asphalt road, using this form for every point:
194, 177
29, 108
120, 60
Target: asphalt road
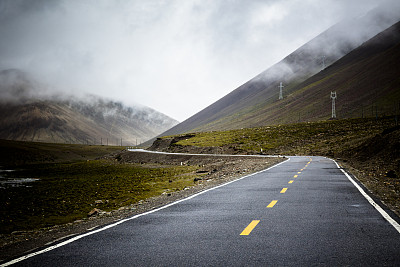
302, 212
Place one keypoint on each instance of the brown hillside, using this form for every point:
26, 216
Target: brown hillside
363, 78
28, 114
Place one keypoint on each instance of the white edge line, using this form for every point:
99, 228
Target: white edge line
128, 219
370, 200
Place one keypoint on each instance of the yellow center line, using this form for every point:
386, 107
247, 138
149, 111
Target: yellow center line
273, 202
291, 182
299, 172
250, 227
308, 162
302, 170
295, 176
283, 190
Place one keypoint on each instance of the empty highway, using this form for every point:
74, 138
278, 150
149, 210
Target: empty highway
302, 212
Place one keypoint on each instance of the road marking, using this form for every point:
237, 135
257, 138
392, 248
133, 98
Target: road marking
273, 202
291, 182
295, 176
302, 170
250, 227
387, 217
283, 190
298, 172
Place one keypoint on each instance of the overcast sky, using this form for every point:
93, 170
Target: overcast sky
174, 56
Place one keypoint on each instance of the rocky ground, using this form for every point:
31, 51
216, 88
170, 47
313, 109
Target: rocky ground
216, 170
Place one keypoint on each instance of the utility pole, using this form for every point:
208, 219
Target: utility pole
323, 62
280, 91
333, 97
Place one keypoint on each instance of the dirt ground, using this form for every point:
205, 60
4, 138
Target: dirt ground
216, 170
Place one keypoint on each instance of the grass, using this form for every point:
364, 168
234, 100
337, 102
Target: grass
68, 191
313, 138
73, 179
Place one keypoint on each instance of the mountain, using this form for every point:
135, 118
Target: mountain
29, 113
308, 85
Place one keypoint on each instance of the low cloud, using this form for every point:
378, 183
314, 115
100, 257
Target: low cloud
174, 56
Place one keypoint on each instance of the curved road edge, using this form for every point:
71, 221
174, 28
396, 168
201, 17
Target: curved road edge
384, 214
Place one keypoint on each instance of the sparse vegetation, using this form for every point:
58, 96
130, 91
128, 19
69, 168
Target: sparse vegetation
71, 180
328, 138
68, 191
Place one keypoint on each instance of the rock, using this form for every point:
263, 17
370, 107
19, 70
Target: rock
94, 212
98, 201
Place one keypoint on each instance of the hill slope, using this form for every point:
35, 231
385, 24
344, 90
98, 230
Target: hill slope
256, 102
28, 114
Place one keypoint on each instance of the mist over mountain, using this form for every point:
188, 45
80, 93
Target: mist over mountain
31, 113
256, 103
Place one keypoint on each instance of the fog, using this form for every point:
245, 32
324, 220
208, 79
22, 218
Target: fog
174, 56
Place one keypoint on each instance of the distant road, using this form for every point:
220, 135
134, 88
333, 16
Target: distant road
302, 212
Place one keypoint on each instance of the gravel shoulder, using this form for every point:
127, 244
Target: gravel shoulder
216, 170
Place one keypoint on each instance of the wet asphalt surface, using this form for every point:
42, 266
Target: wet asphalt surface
321, 219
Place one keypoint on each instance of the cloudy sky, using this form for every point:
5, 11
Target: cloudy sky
176, 56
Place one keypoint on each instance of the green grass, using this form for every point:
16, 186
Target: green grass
313, 138
68, 191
